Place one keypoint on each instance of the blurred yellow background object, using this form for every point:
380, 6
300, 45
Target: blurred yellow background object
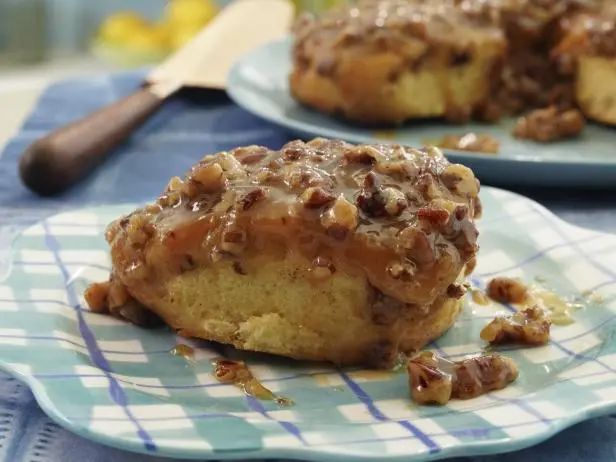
128, 38
190, 12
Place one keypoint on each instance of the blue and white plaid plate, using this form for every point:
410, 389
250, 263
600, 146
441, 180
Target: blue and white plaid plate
118, 384
259, 82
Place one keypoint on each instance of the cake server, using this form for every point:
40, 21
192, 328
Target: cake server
57, 161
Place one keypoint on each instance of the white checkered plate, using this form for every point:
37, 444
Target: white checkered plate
118, 384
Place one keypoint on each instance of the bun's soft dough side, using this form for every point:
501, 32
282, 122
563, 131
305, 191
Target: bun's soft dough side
589, 41
321, 250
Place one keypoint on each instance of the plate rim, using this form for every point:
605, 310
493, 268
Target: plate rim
467, 449
235, 91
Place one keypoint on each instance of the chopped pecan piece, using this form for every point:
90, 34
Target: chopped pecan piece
550, 124
96, 296
210, 176
250, 198
460, 179
530, 327
399, 168
363, 154
417, 246
139, 229
112, 297
478, 375
455, 290
232, 167
292, 153
428, 382
433, 379
507, 290
316, 197
228, 371
436, 217
175, 184
395, 201
250, 154
470, 142
377, 201
341, 218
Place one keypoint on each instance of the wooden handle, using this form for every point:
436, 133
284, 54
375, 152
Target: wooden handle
57, 161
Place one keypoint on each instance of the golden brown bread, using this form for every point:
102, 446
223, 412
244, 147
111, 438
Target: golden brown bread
589, 41
321, 250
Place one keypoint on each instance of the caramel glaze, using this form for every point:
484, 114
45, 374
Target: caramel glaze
589, 33
238, 374
401, 217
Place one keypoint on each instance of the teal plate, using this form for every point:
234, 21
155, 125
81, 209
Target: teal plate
259, 83
118, 384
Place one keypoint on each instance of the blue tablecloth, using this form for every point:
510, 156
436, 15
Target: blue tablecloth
188, 126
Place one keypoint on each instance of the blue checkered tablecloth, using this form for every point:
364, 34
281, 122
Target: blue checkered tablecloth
191, 124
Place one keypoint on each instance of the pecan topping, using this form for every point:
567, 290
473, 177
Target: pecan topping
436, 217
358, 206
210, 176
476, 376
96, 296
233, 241
362, 154
435, 380
417, 246
460, 179
529, 327
550, 124
341, 218
507, 290
250, 154
455, 291
228, 371
395, 201
316, 197
250, 198
428, 383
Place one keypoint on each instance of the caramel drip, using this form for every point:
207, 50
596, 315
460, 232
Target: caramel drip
238, 374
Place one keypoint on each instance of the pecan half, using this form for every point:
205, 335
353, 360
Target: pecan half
529, 327
341, 218
507, 290
478, 375
433, 379
428, 382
